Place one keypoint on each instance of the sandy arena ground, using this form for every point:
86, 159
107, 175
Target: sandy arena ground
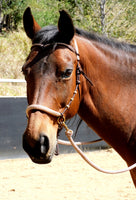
67, 177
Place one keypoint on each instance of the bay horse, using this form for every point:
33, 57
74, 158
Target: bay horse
71, 71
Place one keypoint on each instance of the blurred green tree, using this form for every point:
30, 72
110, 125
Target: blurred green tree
114, 18
11, 13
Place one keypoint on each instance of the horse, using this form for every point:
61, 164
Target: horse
70, 71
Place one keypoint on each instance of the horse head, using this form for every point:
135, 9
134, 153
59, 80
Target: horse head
51, 75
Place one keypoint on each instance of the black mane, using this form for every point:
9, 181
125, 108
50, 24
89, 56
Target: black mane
50, 34
110, 42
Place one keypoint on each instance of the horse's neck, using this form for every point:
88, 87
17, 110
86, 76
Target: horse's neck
103, 105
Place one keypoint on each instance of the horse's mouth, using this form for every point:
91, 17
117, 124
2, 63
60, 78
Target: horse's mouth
41, 160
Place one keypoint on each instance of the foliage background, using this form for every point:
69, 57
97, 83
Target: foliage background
119, 15
113, 18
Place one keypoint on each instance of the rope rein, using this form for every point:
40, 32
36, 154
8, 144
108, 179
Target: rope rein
69, 134
64, 142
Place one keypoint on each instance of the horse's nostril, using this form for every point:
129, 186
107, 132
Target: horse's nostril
44, 142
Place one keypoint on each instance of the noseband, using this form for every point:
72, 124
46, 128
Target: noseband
48, 49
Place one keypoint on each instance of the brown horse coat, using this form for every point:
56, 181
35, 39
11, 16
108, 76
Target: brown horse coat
108, 107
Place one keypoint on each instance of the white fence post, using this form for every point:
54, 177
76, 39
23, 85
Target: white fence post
12, 81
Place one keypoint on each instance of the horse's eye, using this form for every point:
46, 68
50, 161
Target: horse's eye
67, 73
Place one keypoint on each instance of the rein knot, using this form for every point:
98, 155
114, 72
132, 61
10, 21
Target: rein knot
69, 133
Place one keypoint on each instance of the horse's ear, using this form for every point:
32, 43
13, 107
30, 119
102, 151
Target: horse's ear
30, 25
65, 26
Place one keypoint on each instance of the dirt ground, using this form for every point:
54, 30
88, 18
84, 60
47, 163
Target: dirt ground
67, 177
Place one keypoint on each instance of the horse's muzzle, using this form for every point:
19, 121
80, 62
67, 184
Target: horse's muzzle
38, 150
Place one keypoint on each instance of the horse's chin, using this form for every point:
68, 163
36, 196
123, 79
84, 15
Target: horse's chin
42, 160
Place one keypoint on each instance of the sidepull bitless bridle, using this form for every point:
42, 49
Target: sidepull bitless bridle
46, 50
